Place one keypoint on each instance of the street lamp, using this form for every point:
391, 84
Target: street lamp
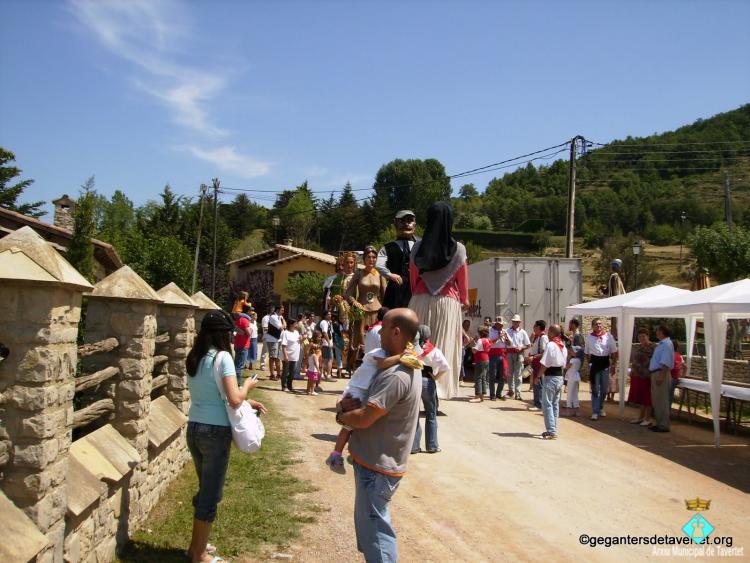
275, 221
683, 216
636, 252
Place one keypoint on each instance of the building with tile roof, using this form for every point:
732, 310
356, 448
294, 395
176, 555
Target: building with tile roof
282, 261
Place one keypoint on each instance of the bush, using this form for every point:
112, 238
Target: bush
306, 289
531, 226
541, 240
495, 239
473, 252
661, 235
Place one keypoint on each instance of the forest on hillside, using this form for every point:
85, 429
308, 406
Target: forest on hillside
658, 187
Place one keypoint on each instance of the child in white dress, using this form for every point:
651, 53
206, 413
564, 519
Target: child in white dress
359, 386
573, 379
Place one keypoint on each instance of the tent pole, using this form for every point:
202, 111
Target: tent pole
625, 322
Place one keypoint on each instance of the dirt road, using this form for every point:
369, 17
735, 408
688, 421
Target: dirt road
499, 492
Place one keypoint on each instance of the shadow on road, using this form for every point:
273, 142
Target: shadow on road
689, 445
515, 435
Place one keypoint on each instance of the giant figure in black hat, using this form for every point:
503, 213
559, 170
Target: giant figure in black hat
393, 260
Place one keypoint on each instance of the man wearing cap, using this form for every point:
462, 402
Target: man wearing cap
393, 261
519, 341
497, 358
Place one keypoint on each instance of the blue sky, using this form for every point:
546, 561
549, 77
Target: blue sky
264, 95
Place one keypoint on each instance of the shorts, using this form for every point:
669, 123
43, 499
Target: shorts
273, 349
327, 352
313, 375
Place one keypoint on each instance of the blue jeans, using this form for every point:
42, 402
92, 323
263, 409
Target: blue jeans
480, 378
537, 390
252, 354
209, 446
337, 357
429, 400
495, 374
515, 366
599, 387
240, 359
376, 538
552, 388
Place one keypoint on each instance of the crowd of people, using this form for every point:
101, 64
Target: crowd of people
395, 329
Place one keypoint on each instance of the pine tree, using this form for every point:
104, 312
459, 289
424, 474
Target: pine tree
9, 194
81, 251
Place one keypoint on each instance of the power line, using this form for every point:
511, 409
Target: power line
470, 172
626, 144
642, 152
485, 170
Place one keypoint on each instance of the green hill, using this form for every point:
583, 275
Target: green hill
639, 184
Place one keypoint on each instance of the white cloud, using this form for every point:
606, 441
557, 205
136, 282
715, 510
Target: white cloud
227, 158
315, 171
148, 34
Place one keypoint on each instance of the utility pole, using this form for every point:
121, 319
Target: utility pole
571, 198
728, 202
204, 188
216, 223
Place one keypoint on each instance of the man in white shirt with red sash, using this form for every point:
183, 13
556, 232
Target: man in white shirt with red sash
600, 347
551, 371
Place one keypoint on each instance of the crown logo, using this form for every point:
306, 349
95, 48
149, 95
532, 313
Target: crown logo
697, 504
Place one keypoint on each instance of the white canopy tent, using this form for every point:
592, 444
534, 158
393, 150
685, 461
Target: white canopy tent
715, 305
619, 306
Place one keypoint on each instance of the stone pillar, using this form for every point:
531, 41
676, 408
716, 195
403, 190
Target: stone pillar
177, 316
204, 305
40, 306
123, 305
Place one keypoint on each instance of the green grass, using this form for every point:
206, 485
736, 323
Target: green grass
263, 503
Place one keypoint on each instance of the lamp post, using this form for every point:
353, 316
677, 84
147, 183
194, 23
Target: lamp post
683, 216
636, 252
275, 221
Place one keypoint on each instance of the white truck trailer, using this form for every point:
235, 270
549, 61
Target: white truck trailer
533, 287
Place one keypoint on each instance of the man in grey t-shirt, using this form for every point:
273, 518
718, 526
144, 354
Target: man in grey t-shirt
380, 445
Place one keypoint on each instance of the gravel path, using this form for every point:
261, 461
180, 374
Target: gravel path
499, 492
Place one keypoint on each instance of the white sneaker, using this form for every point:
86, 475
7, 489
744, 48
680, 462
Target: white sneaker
262, 366
603, 414
594, 416
314, 394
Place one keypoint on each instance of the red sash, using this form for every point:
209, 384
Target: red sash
426, 349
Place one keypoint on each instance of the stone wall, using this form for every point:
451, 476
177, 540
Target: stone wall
80, 500
735, 371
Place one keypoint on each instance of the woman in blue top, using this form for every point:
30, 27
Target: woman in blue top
209, 435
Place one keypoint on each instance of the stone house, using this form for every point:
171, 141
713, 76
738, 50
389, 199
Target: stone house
282, 261
59, 234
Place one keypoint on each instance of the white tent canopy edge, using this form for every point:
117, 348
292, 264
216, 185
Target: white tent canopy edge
715, 305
